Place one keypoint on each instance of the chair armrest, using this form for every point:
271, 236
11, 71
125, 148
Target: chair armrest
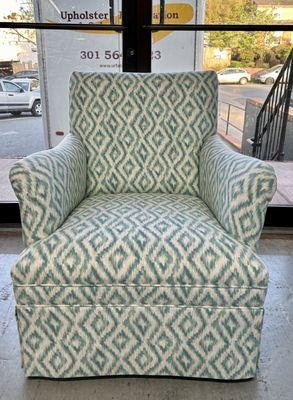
49, 185
236, 188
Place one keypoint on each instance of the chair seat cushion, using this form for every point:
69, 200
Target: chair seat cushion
140, 249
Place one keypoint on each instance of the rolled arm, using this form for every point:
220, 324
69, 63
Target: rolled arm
49, 185
236, 188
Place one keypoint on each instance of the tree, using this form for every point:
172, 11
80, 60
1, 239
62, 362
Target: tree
248, 47
278, 54
25, 14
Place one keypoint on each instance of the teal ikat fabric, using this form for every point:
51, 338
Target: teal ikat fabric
76, 341
48, 186
141, 238
143, 132
143, 294
140, 230
236, 188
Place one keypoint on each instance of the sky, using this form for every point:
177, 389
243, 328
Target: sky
7, 6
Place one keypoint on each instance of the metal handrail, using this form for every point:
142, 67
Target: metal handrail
233, 105
228, 123
271, 122
277, 81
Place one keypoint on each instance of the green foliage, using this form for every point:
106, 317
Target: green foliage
278, 54
236, 64
249, 48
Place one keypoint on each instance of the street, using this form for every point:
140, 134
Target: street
237, 94
20, 136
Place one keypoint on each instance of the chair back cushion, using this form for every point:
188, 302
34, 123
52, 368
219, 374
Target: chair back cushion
143, 132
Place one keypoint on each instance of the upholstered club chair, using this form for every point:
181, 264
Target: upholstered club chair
140, 231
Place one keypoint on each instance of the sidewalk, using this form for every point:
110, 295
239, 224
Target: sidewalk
283, 196
284, 193
6, 193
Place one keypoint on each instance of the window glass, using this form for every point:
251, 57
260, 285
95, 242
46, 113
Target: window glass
17, 11
247, 63
51, 56
174, 51
39, 119
274, 68
10, 87
66, 51
249, 12
24, 85
174, 12
27, 74
230, 71
35, 85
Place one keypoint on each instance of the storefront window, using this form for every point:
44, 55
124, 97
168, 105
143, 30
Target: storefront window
35, 66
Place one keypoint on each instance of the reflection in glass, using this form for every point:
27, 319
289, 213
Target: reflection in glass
174, 51
62, 52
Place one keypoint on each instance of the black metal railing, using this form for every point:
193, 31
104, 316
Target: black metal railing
271, 123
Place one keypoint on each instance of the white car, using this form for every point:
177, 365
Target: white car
269, 76
27, 84
234, 75
15, 100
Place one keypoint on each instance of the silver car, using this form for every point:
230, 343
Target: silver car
234, 75
15, 100
269, 76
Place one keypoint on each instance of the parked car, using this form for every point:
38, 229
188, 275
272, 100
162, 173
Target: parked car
14, 99
27, 84
269, 76
28, 73
234, 75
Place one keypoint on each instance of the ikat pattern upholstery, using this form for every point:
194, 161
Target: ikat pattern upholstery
236, 188
133, 270
48, 186
208, 342
141, 239
143, 132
